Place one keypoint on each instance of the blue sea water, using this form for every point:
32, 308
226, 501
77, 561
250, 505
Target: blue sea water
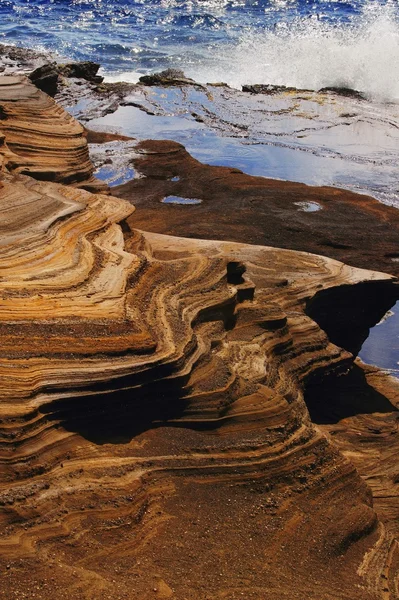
305, 43
382, 346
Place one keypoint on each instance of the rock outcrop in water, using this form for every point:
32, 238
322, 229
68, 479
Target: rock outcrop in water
46, 78
49, 76
155, 440
268, 89
169, 77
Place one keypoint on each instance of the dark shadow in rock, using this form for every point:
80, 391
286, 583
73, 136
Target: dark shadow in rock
117, 417
346, 313
332, 398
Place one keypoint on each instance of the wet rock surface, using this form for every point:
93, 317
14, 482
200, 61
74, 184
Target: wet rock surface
329, 137
311, 137
17, 60
350, 227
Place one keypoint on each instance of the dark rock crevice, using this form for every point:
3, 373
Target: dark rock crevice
346, 313
333, 398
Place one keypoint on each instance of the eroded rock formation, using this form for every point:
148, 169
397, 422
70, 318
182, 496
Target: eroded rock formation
155, 441
44, 140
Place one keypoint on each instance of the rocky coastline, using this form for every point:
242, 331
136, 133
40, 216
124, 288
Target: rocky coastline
182, 411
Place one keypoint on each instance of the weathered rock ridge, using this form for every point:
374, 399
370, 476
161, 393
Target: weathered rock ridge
154, 436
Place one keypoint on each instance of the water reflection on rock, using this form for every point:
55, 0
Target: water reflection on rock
310, 137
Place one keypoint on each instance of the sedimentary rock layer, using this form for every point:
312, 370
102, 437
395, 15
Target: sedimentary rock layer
363, 424
44, 141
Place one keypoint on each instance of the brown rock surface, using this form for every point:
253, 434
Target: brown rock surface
154, 436
352, 228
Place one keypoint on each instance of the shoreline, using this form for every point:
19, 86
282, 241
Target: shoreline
333, 231
331, 137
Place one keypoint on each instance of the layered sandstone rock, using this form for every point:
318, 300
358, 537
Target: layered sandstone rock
44, 140
152, 396
155, 441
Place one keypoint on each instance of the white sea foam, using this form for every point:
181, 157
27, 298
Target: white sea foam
309, 53
312, 53
128, 76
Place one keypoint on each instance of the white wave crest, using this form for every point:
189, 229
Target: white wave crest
312, 54
127, 76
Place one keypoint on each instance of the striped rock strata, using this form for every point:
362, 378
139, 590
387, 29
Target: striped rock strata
43, 140
154, 438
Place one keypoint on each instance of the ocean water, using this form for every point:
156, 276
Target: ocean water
382, 346
303, 43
